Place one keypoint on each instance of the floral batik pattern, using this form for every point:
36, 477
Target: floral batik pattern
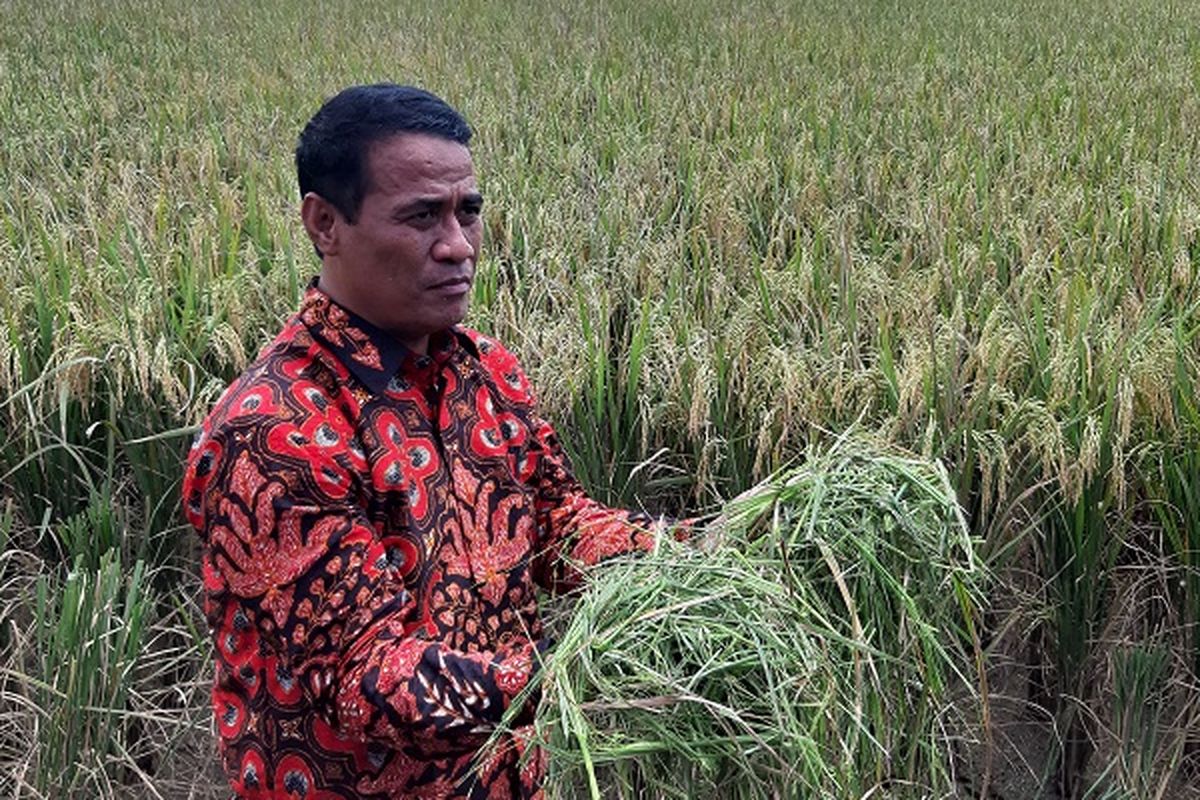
374, 526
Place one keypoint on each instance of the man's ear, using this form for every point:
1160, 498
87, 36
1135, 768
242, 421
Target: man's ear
322, 220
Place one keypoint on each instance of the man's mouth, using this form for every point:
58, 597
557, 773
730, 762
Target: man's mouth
453, 283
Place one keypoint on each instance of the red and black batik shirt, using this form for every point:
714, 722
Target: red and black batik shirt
374, 523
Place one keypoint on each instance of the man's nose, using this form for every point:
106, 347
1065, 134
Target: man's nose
453, 245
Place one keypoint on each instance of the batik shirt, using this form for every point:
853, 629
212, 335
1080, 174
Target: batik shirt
374, 524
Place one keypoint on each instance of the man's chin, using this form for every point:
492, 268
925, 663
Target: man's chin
457, 312
446, 322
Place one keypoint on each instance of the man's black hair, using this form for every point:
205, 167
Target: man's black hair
331, 155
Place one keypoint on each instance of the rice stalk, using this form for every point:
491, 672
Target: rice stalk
812, 653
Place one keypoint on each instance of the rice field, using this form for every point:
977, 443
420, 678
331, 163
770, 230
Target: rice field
718, 235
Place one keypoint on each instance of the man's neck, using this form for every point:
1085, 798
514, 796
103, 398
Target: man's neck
418, 345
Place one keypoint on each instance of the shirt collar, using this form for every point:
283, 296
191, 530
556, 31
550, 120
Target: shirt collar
372, 355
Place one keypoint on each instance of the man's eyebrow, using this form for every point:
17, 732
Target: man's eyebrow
434, 202
418, 204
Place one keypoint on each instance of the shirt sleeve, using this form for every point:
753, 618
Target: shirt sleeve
574, 530
288, 549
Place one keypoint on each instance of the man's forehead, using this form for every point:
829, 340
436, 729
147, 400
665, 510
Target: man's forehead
416, 158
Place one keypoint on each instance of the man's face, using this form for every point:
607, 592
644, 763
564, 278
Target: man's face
406, 264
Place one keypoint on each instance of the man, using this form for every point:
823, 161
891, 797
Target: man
377, 495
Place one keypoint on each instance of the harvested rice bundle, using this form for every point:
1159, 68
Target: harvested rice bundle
810, 654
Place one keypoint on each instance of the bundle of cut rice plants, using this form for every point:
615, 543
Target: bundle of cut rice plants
822, 648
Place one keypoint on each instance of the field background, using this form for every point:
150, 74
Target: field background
715, 233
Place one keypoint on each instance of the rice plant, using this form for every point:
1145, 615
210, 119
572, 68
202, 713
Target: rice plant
810, 648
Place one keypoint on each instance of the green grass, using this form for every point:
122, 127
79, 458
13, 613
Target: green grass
714, 234
811, 650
